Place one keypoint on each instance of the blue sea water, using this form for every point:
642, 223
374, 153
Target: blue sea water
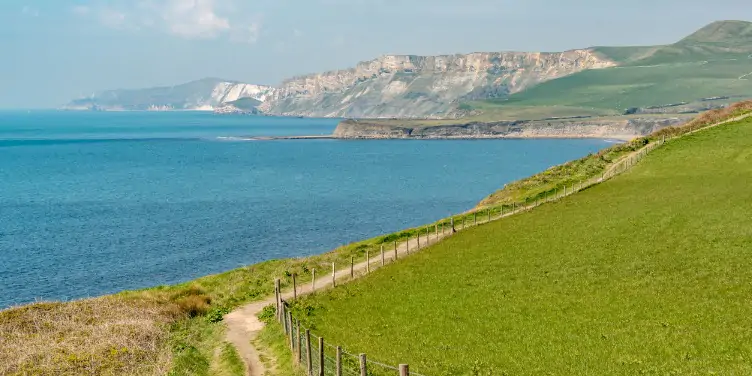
94, 203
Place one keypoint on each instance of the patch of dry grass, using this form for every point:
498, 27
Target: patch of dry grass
108, 335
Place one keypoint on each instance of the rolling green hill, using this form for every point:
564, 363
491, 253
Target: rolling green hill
646, 274
715, 61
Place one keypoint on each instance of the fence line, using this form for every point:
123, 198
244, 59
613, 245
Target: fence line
312, 356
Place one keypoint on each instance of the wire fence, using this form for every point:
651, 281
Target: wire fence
316, 357
313, 356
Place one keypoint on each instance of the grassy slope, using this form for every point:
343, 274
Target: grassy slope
620, 88
646, 274
182, 322
574, 172
706, 64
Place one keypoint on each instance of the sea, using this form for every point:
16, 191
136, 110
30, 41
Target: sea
93, 203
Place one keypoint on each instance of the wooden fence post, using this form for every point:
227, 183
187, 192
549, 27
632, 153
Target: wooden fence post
363, 368
407, 245
338, 361
321, 356
334, 275
284, 318
276, 295
418, 237
395, 250
313, 280
382, 255
368, 263
404, 370
292, 331
437, 231
451, 221
294, 286
309, 356
299, 352
352, 266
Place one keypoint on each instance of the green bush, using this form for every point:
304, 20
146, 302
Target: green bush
267, 314
217, 314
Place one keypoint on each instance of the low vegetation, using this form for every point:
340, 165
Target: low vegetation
644, 275
108, 335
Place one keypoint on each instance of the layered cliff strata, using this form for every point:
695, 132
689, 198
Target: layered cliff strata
407, 86
606, 127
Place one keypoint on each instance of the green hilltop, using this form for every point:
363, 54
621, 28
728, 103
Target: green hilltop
709, 68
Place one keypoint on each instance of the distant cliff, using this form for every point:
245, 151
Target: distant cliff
206, 94
407, 86
619, 127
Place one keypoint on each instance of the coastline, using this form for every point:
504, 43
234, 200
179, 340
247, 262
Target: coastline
616, 137
186, 322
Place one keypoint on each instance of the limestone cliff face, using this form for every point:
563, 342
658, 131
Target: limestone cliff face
407, 86
616, 127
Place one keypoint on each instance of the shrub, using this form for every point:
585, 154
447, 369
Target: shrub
267, 314
217, 314
194, 305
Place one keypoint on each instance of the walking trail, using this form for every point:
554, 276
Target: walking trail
243, 325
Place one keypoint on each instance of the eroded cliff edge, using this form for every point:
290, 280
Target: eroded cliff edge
605, 127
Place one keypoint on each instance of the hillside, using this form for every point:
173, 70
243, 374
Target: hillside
708, 68
645, 274
203, 94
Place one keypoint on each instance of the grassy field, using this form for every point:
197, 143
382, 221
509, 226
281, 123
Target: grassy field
646, 274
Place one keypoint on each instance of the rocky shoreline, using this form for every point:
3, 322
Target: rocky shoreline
624, 128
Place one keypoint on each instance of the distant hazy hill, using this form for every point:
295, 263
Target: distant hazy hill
205, 94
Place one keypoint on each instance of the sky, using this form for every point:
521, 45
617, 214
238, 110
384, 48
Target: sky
53, 51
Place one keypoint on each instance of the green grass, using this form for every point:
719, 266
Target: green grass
277, 356
646, 274
620, 88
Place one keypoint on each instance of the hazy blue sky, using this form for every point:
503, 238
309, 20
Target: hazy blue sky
54, 50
